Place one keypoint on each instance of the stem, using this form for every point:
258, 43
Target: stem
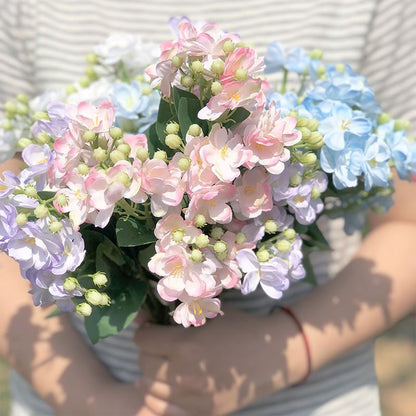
129, 210
284, 82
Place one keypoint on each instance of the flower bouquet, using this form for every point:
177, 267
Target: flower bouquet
160, 188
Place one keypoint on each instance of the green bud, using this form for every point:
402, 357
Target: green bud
99, 154
21, 219
187, 81
202, 240
41, 211
184, 164
55, 226
92, 59
240, 238
24, 142
177, 61
93, 296
124, 148
217, 67
22, 109
217, 233
116, 156
197, 67
196, 255
401, 124
84, 309
116, 133
161, 155
91, 74
313, 124
295, 180
105, 300
142, 154
302, 122
379, 209
139, 78
220, 247
241, 74
221, 256
216, 87
172, 128
89, 136
316, 54
70, 284
31, 191
270, 226
316, 193
43, 138
7, 125
10, 107
315, 140
289, 234
41, 115
320, 71
99, 279
61, 200
124, 179
383, 118
200, 221
283, 245
340, 67
263, 255
84, 82
306, 133
194, 130
146, 90
177, 235
228, 46
173, 141
293, 113
308, 159
23, 98
70, 89
83, 169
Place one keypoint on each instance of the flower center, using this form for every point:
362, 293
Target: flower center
30, 240
196, 308
248, 189
177, 270
224, 151
344, 124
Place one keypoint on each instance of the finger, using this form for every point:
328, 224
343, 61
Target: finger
163, 407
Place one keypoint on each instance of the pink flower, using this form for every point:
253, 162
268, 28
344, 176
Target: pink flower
225, 153
167, 225
135, 141
253, 194
89, 117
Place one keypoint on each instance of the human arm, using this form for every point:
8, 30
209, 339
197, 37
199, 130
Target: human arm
237, 359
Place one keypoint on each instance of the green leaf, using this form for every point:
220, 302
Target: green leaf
178, 94
131, 232
146, 254
317, 237
165, 113
110, 320
239, 115
44, 195
188, 114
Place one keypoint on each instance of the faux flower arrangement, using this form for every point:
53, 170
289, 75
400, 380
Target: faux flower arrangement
161, 189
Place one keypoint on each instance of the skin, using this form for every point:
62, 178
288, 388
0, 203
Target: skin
232, 361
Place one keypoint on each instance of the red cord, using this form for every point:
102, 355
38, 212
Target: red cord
305, 340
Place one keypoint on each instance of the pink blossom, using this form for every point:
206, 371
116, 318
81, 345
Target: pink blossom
135, 141
253, 194
89, 117
170, 223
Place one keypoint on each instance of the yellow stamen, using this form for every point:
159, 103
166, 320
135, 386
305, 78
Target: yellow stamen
224, 151
30, 240
236, 96
177, 270
196, 308
248, 189
344, 124
2, 187
42, 161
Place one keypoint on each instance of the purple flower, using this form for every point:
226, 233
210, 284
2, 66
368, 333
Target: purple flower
8, 184
8, 226
272, 275
293, 259
38, 159
58, 123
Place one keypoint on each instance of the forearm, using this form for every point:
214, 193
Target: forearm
374, 291
48, 352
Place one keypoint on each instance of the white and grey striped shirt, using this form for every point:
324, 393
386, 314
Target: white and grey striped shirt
43, 44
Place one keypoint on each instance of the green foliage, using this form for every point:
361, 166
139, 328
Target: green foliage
131, 232
236, 117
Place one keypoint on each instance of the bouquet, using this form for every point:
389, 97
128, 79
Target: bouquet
163, 178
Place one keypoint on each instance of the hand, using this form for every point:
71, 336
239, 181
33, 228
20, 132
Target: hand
219, 368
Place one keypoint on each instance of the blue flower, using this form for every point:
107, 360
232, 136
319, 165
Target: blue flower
128, 100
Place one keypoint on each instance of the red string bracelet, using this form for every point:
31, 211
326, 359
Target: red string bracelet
305, 340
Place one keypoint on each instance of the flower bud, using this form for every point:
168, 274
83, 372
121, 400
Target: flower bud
161, 155
21, 219
313, 124
116, 156
400, 124
89, 136
84, 82
283, 245
202, 240
289, 234
91, 74
172, 128
61, 200
340, 67
177, 235
228, 46
216, 87
41, 115
241, 74
142, 154
105, 300
217, 233
240, 238
83, 169
270, 226
184, 164
308, 159
7, 125
146, 90
295, 180
24, 142
99, 279
321, 71
70, 284
383, 118
187, 81
306, 133
55, 226
316, 54
124, 148
316, 193
173, 141
116, 133
10, 107
84, 309
196, 255
23, 98
99, 154
41, 211
92, 58
217, 67
93, 296
43, 138
200, 221
31, 191
302, 122
220, 247
194, 130
70, 89
315, 140
221, 256
263, 255
197, 67
177, 61
124, 179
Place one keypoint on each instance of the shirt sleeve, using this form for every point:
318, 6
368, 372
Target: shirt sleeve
390, 58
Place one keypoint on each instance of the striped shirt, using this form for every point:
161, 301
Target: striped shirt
43, 44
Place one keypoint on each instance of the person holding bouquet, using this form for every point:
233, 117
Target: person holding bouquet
244, 362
